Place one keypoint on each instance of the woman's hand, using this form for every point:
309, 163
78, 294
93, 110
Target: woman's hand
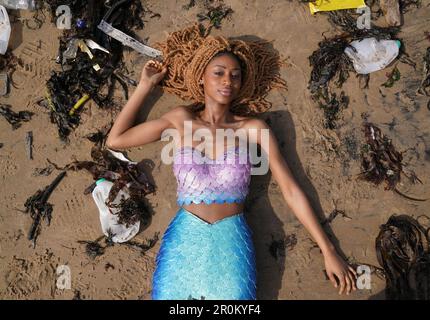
152, 73
339, 272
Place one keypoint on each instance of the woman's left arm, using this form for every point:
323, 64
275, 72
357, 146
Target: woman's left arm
299, 204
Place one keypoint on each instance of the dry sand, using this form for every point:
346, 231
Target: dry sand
322, 164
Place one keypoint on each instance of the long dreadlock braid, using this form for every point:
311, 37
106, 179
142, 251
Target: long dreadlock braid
187, 52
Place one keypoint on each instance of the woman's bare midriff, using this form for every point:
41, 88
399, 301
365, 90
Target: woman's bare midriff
214, 211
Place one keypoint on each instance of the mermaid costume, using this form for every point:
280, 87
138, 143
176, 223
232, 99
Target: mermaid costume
202, 260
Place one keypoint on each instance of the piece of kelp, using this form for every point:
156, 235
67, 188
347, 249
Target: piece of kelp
40, 209
213, 11
278, 247
14, 118
393, 77
402, 249
97, 248
99, 137
328, 62
332, 106
215, 14
381, 162
131, 211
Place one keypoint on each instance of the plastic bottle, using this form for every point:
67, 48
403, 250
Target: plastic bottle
19, 4
108, 219
4, 30
372, 55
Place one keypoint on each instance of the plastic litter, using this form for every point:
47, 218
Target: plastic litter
19, 4
94, 45
128, 41
324, 5
4, 30
84, 48
372, 55
108, 219
71, 50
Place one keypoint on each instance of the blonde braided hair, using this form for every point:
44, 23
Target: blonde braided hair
187, 52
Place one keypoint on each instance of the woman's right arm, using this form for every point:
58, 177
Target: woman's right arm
122, 134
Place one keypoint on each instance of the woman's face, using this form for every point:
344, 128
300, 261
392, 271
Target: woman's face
222, 79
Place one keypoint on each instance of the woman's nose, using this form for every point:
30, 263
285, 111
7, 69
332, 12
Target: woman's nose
227, 79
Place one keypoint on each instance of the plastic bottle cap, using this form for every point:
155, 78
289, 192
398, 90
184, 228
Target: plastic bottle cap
399, 44
100, 180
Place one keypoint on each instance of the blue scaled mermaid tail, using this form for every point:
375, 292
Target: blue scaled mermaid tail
200, 260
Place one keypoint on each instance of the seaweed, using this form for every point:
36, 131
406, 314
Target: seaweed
190, 5
43, 171
213, 11
215, 15
332, 106
347, 21
123, 174
96, 248
14, 118
132, 210
393, 77
381, 162
402, 249
40, 209
328, 62
91, 75
333, 215
278, 247
93, 249
99, 137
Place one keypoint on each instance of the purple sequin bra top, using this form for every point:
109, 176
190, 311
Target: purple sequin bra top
203, 179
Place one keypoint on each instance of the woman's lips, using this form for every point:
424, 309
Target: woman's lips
226, 92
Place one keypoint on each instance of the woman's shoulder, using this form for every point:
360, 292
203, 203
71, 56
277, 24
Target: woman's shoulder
178, 114
254, 123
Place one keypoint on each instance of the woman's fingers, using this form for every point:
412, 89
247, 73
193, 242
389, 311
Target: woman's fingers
348, 283
342, 283
155, 65
353, 280
353, 270
332, 279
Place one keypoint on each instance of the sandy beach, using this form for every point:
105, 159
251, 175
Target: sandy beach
325, 162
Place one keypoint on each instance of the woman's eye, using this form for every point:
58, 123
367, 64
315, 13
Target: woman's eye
218, 73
